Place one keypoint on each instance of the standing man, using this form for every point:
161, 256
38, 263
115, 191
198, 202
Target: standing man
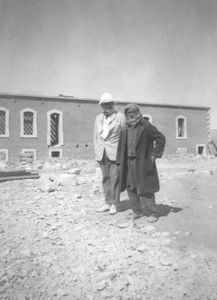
107, 130
140, 144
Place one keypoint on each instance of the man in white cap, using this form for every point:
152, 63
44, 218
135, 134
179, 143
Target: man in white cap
107, 130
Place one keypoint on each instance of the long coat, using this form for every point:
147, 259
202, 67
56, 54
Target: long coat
150, 142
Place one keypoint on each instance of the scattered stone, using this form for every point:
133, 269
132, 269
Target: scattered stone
100, 286
104, 276
177, 232
124, 225
166, 261
67, 180
79, 227
47, 184
143, 248
148, 228
75, 171
78, 270
193, 188
37, 197
60, 196
96, 190
39, 166
188, 233
165, 234
194, 256
61, 293
54, 246
26, 252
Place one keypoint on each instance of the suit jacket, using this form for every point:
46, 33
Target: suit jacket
146, 171
109, 143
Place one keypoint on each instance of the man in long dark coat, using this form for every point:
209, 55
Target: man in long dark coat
139, 145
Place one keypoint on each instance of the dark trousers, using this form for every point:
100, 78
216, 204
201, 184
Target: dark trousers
144, 202
110, 180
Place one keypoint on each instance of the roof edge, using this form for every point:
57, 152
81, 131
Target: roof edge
65, 98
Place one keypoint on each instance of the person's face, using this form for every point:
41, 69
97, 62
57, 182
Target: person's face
131, 114
108, 106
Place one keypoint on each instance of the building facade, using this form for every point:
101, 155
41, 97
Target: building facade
62, 126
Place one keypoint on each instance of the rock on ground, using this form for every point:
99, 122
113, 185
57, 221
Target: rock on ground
55, 246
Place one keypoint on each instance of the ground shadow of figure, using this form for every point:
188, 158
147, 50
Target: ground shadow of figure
162, 209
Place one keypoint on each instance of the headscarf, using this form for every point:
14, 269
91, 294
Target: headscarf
132, 122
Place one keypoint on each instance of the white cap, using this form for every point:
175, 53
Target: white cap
105, 98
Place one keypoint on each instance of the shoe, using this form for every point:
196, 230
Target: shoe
104, 208
152, 219
113, 210
137, 215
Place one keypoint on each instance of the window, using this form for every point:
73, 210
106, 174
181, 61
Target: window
28, 126
201, 149
4, 154
4, 122
57, 153
181, 127
31, 153
147, 117
55, 128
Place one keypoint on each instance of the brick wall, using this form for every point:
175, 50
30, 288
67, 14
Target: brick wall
164, 118
78, 122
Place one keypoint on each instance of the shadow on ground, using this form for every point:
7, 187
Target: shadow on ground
162, 209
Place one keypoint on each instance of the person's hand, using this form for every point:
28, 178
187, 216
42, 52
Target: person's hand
153, 159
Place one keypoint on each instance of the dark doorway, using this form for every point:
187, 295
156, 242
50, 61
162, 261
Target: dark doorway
200, 150
55, 154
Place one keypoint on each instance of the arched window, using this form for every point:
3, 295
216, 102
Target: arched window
54, 128
28, 123
181, 127
147, 117
4, 122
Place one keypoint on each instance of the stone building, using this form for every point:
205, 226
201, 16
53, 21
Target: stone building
63, 126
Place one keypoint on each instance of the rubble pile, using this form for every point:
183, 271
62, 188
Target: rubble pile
55, 246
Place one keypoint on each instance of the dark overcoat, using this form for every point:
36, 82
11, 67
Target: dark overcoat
150, 142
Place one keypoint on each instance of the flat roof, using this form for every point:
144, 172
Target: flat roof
65, 98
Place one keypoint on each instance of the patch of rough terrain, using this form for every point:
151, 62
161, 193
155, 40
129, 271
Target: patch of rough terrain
55, 246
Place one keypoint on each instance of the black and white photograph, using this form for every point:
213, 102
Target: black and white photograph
108, 149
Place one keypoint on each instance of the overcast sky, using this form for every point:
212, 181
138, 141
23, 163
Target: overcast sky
160, 51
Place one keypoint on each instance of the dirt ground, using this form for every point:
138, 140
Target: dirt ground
55, 246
